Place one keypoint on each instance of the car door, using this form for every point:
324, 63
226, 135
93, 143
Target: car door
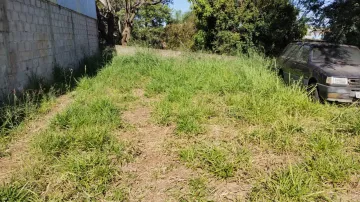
288, 63
301, 64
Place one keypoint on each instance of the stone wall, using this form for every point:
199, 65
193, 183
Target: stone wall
36, 35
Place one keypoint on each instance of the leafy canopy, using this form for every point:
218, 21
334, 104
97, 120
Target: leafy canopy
231, 26
339, 18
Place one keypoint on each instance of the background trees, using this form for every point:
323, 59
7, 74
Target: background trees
232, 26
107, 20
149, 25
179, 33
339, 18
343, 21
124, 12
227, 26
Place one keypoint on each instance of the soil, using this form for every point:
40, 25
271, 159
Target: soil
156, 172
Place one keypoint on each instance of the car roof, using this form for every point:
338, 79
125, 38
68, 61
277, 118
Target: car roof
319, 43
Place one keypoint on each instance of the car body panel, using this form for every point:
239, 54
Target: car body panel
336, 70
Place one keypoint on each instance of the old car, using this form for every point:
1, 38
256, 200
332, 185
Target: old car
330, 71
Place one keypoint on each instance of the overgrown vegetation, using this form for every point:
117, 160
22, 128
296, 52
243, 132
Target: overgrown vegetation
227, 113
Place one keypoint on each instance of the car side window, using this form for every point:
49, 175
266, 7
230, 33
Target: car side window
304, 54
291, 51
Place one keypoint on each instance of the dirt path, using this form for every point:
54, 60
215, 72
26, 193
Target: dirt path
156, 173
19, 148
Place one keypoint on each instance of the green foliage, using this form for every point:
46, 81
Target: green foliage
233, 26
280, 25
344, 22
179, 34
339, 19
153, 16
149, 25
227, 42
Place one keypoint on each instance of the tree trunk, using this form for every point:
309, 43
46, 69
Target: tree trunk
130, 13
111, 29
101, 25
126, 34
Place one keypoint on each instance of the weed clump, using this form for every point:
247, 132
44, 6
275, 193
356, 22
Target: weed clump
218, 160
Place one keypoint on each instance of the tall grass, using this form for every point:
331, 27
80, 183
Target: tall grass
267, 115
20, 107
78, 157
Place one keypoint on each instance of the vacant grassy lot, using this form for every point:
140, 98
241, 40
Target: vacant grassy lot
191, 128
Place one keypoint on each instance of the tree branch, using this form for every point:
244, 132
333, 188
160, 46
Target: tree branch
153, 2
140, 3
106, 4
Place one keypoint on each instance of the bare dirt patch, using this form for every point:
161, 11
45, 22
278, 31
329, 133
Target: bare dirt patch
229, 190
268, 162
351, 192
156, 172
19, 149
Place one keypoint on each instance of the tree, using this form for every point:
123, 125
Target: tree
340, 18
131, 9
279, 26
109, 12
181, 31
240, 25
343, 22
107, 17
149, 25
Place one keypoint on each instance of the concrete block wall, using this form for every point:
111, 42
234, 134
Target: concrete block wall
29, 42
64, 47
36, 35
92, 33
81, 35
3, 53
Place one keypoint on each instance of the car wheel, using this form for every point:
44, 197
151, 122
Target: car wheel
314, 93
281, 74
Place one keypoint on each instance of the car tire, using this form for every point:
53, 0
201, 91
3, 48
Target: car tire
281, 74
314, 93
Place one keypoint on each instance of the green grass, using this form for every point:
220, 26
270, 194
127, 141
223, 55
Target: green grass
226, 112
222, 162
78, 156
16, 193
14, 115
198, 190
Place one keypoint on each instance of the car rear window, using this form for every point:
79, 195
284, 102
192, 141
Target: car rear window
336, 54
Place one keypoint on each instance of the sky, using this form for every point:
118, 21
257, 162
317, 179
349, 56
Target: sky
182, 5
